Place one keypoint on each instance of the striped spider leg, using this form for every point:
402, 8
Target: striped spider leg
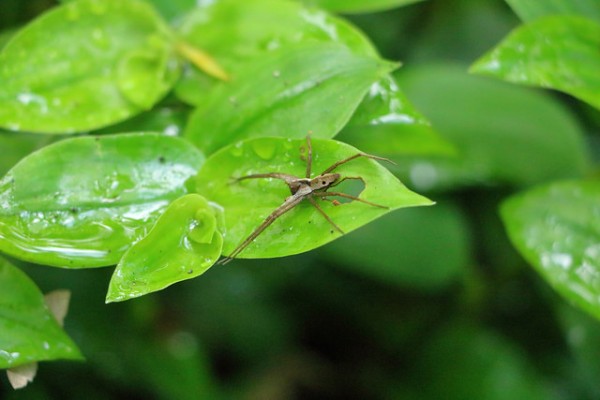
304, 188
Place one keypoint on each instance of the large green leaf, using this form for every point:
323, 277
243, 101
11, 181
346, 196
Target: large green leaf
81, 202
84, 65
528, 10
28, 330
558, 52
300, 89
247, 203
557, 229
386, 123
183, 244
237, 33
360, 6
502, 133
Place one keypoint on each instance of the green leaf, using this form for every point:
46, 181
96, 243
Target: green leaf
235, 32
172, 10
557, 52
247, 203
386, 123
557, 229
528, 10
396, 249
81, 202
183, 244
360, 6
238, 33
503, 133
85, 65
28, 331
300, 89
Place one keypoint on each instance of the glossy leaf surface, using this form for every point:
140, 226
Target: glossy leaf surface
309, 88
557, 52
557, 229
81, 202
360, 6
386, 123
502, 133
183, 244
28, 331
236, 33
85, 65
247, 203
528, 10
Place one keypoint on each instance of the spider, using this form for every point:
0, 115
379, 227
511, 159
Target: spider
306, 188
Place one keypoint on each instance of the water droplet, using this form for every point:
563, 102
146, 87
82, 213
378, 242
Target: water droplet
171, 130
237, 150
265, 149
28, 99
276, 74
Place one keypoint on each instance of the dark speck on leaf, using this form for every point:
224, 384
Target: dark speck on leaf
191, 271
331, 231
161, 160
74, 210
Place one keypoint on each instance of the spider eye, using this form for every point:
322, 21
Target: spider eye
324, 183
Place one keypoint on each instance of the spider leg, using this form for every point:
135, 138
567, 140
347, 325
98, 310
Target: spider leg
308, 156
345, 178
338, 163
318, 207
347, 196
286, 177
287, 205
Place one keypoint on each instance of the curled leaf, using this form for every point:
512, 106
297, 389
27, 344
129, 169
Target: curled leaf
183, 244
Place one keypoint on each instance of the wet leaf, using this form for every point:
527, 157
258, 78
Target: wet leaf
85, 65
360, 6
503, 134
557, 52
28, 331
557, 229
236, 33
301, 89
528, 10
183, 244
81, 202
246, 204
386, 123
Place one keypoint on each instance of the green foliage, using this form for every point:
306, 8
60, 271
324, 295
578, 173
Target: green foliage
172, 102
85, 65
556, 228
557, 51
80, 203
28, 331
